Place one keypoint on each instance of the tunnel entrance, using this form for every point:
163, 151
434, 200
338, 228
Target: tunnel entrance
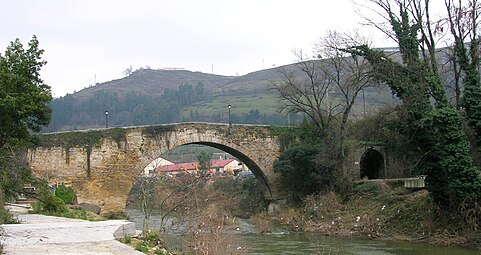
372, 164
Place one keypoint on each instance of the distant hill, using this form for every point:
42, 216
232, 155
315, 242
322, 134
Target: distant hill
154, 82
150, 96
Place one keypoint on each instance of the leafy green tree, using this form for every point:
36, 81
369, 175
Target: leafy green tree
24, 98
50, 202
253, 116
199, 91
24, 108
296, 165
204, 158
299, 164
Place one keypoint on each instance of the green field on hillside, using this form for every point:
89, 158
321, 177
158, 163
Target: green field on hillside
265, 103
269, 104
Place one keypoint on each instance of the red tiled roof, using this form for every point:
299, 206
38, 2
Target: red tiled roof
219, 163
177, 167
192, 166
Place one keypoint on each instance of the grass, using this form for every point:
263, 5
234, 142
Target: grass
374, 210
151, 244
72, 213
382, 210
265, 103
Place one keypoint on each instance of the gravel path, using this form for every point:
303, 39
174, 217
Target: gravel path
40, 234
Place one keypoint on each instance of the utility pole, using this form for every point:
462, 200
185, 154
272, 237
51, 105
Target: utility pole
364, 104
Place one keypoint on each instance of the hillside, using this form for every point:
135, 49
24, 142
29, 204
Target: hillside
150, 96
154, 82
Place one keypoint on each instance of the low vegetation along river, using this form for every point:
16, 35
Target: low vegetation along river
285, 242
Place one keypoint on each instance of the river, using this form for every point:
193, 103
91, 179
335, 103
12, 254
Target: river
285, 242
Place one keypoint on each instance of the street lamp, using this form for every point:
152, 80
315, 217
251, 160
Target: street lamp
106, 119
230, 123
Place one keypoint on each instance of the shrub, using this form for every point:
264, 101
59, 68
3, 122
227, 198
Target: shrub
6, 217
126, 239
153, 236
161, 252
75, 214
301, 174
252, 198
51, 203
226, 185
153, 239
142, 247
67, 194
368, 188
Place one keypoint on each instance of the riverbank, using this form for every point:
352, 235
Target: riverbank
40, 234
381, 210
375, 210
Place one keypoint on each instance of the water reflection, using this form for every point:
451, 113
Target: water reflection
313, 243
284, 242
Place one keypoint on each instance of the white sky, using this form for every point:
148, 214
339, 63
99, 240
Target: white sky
95, 40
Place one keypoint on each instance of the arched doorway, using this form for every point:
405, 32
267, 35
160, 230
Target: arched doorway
372, 164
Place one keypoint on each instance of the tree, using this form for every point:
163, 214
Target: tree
435, 128
204, 159
349, 73
24, 108
463, 23
305, 89
451, 76
199, 91
300, 164
166, 196
127, 71
24, 98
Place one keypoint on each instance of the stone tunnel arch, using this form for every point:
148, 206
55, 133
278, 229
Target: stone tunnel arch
372, 164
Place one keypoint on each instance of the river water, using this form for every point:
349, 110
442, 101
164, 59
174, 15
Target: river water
285, 242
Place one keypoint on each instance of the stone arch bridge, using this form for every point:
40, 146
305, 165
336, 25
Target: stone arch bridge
101, 164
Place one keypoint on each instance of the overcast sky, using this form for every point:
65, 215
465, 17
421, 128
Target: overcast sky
95, 40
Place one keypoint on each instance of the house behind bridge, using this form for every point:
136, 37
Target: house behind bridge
220, 166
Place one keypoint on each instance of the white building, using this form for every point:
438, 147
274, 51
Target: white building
149, 169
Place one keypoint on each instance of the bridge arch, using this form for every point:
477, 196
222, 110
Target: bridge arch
104, 173
250, 163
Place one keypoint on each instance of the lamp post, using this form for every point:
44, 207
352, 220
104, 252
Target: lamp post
230, 123
106, 119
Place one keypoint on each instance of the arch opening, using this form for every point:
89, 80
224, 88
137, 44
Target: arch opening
256, 170
161, 190
242, 158
372, 164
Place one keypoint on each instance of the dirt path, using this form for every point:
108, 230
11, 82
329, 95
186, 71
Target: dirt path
40, 234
